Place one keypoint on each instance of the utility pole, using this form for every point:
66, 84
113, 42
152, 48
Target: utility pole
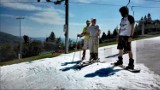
66, 25
20, 42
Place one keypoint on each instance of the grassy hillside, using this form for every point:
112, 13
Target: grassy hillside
8, 38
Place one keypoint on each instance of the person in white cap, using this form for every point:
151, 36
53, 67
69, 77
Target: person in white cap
86, 39
94, 33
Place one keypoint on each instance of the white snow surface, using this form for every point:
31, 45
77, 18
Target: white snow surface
60, 73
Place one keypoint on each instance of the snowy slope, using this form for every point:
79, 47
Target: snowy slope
60, 73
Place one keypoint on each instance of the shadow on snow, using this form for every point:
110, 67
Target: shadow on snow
103, 72
73, 62
74, 67
115, 55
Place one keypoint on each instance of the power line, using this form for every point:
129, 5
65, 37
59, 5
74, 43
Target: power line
95, 4
23, 2
145, 7
113, 5
153, 0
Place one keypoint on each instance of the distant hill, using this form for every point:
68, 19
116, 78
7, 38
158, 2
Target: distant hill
8, 38
42, 39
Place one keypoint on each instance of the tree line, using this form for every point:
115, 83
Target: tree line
10, 51
30, 47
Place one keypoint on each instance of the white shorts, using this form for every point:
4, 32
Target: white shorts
86, 44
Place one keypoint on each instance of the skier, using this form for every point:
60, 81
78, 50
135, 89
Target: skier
94, 33
125, 37
86, 39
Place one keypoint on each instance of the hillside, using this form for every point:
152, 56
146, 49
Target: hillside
8, 38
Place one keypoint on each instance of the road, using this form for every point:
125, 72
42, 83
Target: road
148, 52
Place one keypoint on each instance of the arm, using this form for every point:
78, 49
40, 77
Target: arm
132, 32
118, 32
82, 34
132, 21
132, 29
98, 31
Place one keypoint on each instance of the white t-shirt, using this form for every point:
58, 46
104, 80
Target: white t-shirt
93, 30
125, 26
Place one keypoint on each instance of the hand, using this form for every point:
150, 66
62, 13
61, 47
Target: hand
130, 39
98, 32
78, 35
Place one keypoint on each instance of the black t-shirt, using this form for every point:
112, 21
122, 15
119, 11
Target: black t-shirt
131, 19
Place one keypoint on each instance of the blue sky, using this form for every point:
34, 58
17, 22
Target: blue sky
43, 18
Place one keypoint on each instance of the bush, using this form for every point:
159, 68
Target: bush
7, 52
32, 49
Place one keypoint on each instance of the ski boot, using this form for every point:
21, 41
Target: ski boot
131, 64
119, 62
96, 59
91, 58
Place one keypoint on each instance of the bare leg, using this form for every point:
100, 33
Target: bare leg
130, 54
120, 52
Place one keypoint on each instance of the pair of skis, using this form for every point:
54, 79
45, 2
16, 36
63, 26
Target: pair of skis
82, 64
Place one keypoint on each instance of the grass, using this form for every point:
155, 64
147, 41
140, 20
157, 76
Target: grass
28, 59
54, 55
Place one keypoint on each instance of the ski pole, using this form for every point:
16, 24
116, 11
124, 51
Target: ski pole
75, 49
80, 48
98, 48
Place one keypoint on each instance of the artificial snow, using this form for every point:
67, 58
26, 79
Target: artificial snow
60, 73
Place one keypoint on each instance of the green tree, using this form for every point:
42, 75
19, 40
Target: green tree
149, 17
7, 52
104, 36
47, 39
36, 47
26, 39
52, 37
109, 34
70, 42
115, 33
50, 43
59, 42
